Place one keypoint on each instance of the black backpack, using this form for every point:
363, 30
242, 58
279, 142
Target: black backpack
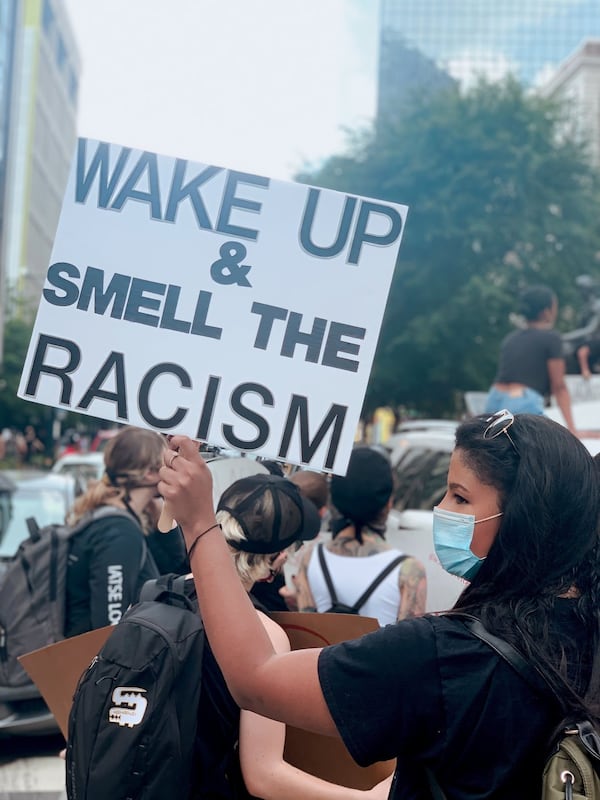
134, 718
342, 608
33, 593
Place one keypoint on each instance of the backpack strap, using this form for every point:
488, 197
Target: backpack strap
99, 513
379, 579
102, 512
168, 588
156, 586
327, 575
518, 662
370, 588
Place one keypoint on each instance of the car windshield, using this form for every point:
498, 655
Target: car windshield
420, 478
46, 505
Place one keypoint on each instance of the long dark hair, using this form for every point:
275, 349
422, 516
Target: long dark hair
547, 544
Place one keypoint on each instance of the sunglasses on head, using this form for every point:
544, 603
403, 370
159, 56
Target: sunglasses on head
499, 423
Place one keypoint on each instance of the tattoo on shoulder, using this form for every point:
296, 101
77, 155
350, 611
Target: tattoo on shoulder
413, 589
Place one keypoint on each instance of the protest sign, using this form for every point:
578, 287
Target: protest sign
190, 298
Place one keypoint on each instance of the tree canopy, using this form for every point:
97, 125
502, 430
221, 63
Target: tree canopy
15, 412
499, 197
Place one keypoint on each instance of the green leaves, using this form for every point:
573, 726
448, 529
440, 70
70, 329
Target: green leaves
500, 197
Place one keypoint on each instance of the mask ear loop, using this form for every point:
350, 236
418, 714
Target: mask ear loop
485, 519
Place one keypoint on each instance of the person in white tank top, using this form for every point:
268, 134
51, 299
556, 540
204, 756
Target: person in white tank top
358, 552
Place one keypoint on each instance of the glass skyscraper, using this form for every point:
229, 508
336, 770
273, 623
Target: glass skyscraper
39, 77
461, 39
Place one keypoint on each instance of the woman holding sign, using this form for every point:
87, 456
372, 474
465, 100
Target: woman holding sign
520, 521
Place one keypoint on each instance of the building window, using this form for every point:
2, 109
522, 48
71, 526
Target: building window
73, 87
61, 52
47, 16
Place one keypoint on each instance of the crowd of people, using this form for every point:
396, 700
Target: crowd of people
519, 523
21, 447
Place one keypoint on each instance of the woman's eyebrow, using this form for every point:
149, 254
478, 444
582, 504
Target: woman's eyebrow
457, 486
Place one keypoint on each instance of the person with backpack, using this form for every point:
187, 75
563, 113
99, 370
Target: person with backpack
110, 559
138, 748
520, 522
357, 571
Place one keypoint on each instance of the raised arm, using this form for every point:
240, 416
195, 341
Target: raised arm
583, 356
281, 686
558, 386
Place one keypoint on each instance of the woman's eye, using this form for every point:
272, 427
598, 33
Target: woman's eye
460, 499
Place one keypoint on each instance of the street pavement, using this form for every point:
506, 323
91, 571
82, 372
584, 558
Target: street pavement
30, 769
33, 779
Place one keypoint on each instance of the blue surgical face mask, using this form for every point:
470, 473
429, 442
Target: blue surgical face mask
452, 538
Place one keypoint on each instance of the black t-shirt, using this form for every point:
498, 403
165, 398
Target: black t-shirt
217, 773
108, 563
524, 355
267, 594
427, 692
168, 551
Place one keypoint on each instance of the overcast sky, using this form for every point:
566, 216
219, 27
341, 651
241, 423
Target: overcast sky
259, 85
270, 86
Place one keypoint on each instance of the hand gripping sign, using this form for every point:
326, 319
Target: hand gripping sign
194, 299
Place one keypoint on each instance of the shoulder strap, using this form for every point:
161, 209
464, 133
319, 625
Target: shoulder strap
327, 575
370, 588
154, 587
103, 512
99, 513
518, 662
379, 579
169, 588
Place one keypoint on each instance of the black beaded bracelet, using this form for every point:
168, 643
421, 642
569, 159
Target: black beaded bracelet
200, 535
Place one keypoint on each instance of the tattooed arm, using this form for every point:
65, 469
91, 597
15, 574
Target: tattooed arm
412, 583
304, 598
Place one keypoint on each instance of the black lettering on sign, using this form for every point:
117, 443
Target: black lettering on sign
146, 385
299, 411
114, 364
238, 407
39, 366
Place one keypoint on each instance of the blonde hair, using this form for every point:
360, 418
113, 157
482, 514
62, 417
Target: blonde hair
127, 458
251, 567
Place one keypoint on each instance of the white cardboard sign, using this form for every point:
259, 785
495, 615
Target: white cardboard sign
189, 298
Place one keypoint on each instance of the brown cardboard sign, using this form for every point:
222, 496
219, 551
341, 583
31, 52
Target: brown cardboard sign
325, 756
56, 670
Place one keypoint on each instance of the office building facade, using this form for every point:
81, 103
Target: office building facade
39, 81
576, 84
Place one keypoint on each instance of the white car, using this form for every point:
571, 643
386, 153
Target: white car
420, 460
84, 467
585, 405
